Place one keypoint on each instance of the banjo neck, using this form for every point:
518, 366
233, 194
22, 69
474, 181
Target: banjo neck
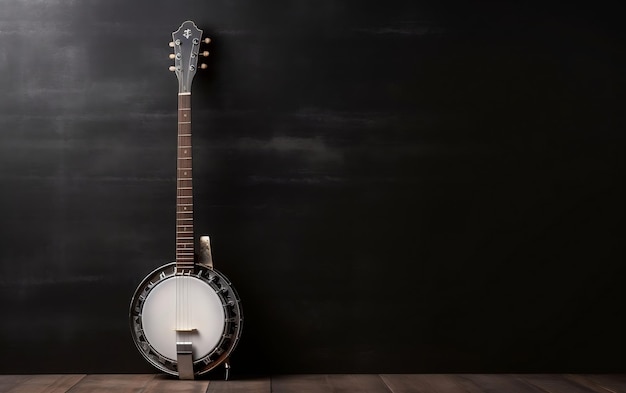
184, 189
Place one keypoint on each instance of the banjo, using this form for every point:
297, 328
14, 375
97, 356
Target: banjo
185, 316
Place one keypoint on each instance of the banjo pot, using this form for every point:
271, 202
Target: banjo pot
186, 317
202, 308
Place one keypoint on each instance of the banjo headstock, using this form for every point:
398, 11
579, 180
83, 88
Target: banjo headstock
186, 43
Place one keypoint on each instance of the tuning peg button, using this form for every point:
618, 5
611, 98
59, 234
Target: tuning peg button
172, 68
205, 53
172, 56
171, 44
207, 40
203, 66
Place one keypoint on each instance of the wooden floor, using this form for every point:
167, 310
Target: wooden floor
319, 383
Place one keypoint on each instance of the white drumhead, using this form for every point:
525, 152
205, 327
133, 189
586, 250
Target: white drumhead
183, 302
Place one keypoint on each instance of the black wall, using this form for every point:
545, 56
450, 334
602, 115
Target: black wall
399, 186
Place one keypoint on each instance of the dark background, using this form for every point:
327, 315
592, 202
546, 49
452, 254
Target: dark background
397, 186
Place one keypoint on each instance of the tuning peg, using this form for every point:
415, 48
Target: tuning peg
207, 40
203, 66
172, 56
171, 44
205, 53
172, 68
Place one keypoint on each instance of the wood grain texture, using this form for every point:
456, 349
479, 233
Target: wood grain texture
46, 384
423, 383
336, 383
615, 383
320, 383
166, 384
8, 382
557, 383
105, 383
495, 383
253, 385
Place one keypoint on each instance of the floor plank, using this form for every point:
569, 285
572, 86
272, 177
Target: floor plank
8, 382
46, 384
584, 381
615, 383
252, 385
495, 383
166, 384
423, 383
106, 383
557, 383
335, 383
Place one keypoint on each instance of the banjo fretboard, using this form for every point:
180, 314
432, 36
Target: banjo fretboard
184, 188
